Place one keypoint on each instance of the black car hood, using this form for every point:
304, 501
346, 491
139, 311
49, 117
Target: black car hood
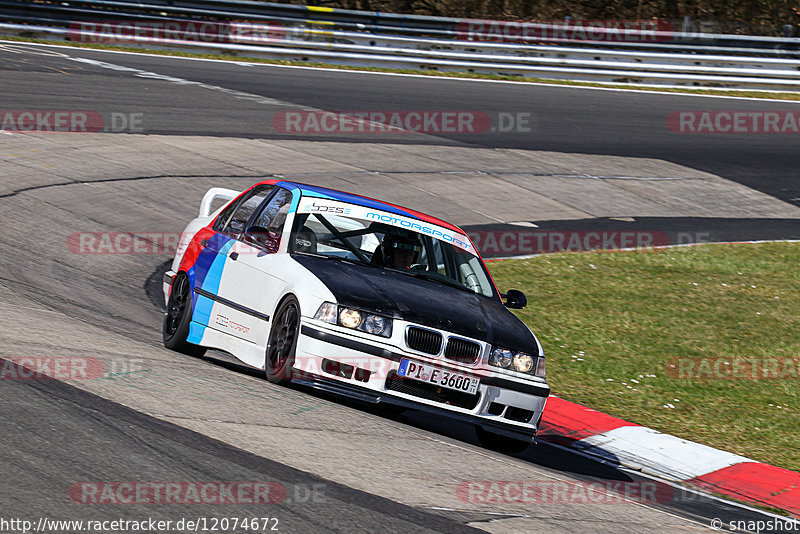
400, 295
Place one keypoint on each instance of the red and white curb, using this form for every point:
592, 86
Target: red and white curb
626, 444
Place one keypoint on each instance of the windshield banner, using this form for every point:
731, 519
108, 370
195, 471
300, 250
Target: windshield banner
333, 207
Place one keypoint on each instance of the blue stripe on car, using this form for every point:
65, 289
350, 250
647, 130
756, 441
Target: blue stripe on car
208, 275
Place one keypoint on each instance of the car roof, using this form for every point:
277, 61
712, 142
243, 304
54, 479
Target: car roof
308, 190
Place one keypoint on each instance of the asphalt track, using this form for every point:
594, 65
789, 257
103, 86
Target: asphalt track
158, 416
570, 120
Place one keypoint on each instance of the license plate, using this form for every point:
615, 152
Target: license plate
438, 376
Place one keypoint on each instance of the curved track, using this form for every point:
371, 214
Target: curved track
157, 415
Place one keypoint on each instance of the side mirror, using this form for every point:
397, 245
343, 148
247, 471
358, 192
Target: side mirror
515, 299
262, 238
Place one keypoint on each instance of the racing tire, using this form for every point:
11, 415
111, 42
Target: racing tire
177, 318
282, 342
498, 443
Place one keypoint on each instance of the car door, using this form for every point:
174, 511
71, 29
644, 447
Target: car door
208, 271
253, 280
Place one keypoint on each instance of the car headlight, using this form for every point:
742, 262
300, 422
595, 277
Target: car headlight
501, 358
349, 318
522, 362
375, 324
370, 323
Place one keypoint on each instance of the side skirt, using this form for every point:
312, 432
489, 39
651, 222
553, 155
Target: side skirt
249, 353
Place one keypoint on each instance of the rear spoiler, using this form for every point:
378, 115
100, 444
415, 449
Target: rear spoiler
213, 194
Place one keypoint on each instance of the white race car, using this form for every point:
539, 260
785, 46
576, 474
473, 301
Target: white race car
357, 297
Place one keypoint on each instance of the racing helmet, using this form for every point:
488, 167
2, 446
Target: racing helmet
404, 245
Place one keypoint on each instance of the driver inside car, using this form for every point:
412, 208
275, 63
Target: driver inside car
401, 251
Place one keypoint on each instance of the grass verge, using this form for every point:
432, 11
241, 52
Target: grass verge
765, 95
612, 324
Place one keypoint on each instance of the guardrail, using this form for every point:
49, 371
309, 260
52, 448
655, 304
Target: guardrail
285, 31
374, 22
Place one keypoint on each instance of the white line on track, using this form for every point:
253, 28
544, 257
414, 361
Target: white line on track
233, 92
181, 81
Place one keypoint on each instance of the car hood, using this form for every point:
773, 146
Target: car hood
399, 295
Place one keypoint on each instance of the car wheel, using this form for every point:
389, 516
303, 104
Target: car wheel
283, 342
177, 318
499, 443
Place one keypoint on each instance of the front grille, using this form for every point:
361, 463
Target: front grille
423, 390
461, 350
423, 340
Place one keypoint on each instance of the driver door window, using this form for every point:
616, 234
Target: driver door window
234, 224
265, 233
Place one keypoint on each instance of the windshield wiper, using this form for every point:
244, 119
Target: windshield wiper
436, 277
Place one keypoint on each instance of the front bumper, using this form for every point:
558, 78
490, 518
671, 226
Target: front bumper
365, 369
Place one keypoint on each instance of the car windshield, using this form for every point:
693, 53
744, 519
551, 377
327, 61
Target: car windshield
362, 235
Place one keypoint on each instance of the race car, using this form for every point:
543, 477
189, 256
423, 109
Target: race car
360, 298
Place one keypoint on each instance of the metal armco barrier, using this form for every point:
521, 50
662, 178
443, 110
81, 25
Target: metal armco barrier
651, 56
